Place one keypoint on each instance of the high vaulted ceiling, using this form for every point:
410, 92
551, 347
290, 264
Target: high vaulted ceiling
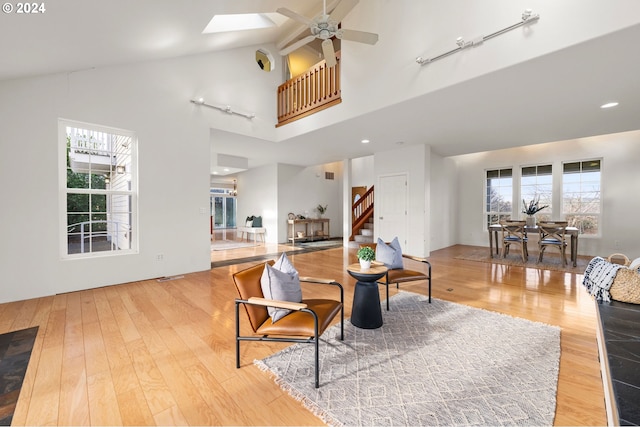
553, 97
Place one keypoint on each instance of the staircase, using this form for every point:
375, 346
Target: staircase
365, 234
362, 228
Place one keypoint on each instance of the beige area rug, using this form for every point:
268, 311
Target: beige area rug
550, 261
429, 364
225, 245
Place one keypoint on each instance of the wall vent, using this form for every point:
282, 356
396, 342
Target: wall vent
329, 175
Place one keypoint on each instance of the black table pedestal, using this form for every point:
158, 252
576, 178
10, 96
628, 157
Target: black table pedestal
366, 312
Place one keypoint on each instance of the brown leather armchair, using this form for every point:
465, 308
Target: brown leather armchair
305, 324
404, 275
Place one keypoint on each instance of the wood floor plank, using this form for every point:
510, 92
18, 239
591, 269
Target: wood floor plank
163, 352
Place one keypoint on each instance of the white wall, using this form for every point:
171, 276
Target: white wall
151, 99
300, 190
620, 179
413, 161
362, 172
258, 196
443, 215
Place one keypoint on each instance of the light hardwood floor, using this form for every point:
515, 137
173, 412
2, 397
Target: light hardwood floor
162, 353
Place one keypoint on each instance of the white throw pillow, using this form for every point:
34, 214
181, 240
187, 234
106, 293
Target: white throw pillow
390, 255
283, 285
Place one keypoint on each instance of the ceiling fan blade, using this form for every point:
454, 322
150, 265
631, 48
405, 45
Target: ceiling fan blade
295, 16
329, 53
342, 9
358, 36
287, 50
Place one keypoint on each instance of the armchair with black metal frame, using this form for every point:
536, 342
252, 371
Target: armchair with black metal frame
306, 322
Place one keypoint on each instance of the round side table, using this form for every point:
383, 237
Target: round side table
366, 312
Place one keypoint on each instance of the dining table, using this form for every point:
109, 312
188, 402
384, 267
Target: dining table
494, 229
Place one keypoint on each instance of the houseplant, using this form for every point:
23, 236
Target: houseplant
366, 254
321, 209
532, 208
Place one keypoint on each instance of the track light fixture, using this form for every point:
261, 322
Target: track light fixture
527, 17
227, 109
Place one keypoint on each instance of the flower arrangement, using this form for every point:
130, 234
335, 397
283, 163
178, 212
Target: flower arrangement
533, 207
366, 253
321, 209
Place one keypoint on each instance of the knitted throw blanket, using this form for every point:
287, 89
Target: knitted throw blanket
599, 276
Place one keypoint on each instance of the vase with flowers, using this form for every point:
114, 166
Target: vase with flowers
531, 209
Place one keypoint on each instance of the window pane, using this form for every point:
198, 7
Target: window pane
101, 163
581, 198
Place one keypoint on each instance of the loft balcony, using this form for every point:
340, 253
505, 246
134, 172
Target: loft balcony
312, 91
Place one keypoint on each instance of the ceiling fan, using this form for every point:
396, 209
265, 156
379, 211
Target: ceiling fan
324, 27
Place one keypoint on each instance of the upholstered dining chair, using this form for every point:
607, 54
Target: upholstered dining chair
552, 234
514, 233
400, 274
306, 322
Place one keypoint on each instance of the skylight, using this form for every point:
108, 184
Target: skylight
243, 21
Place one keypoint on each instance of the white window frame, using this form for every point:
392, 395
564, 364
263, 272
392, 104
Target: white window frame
131, 192
600, 204
547, 212
487, 213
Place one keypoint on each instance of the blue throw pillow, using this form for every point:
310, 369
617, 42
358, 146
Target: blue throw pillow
257, 221
390, 255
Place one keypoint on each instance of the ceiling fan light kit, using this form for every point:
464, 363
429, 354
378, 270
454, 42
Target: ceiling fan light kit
325, 27
527, 17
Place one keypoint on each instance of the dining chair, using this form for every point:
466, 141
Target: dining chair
552, 234
514, 233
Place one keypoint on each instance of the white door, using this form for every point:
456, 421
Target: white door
391, 208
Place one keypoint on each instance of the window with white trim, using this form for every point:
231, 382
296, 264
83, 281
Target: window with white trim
581, 196
536, 183
498, 195
99, 197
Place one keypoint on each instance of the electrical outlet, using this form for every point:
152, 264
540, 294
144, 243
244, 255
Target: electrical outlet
160, 257
617, 244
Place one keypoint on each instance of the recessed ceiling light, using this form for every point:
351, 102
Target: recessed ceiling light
365, 141
609, 105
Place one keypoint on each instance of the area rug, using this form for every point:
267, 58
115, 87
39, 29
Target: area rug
429, 364
322, 244
550, 261
15, 352
225, 245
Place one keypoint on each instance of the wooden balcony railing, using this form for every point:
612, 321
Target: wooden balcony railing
316, 89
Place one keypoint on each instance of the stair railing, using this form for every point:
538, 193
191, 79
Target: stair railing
362, 210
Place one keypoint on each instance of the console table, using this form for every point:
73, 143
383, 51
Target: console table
314, 229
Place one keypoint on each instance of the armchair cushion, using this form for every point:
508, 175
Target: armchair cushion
280, 282
390, 255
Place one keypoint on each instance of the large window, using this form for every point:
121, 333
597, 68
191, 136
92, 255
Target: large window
581, 198
498, 195
536, 183
100, 189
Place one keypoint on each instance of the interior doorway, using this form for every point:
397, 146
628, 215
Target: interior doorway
223, 208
